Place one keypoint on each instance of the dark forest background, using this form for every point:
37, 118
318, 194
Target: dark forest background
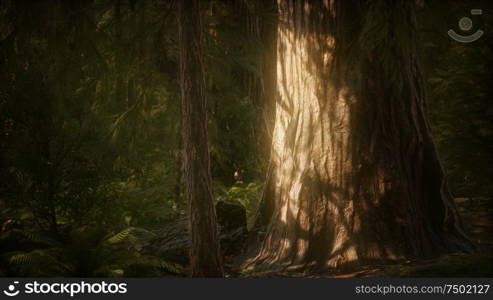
90, 151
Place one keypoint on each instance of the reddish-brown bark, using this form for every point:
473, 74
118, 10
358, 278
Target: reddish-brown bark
205, 260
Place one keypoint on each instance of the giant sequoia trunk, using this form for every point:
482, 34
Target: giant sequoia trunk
204, 243
354, 175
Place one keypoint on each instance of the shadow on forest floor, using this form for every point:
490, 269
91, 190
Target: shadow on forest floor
478, 221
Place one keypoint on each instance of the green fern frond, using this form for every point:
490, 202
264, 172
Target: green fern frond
132, 234
22, 258
171, 267
32, 257
120, 236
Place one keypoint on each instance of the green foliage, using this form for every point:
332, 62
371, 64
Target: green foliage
232, 56
247, 195
89, 251
90, 131
136, 236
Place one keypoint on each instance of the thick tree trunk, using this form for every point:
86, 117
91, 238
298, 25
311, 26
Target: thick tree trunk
205, 257
354, 175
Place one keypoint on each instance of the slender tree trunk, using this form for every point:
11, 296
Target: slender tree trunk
204, 243
354, 175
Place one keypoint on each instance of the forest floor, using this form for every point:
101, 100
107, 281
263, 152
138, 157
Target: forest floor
478, 221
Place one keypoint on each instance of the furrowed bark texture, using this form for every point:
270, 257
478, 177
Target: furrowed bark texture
354, 175
205, 258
